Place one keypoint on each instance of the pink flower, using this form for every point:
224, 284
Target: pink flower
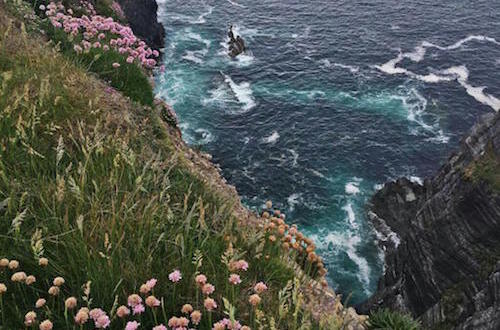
116, 65
132, 325
243, 265
151, 283
260, 287
102, 322
138, 309
175, 276
151, 302
210, 304
200, 279
134, 300
130, 59
96, 313
160, 327
234, 279
105, 47
208, 289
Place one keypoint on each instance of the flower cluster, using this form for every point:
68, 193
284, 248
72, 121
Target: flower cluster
95, 31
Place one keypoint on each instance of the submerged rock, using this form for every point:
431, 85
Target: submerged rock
442, 239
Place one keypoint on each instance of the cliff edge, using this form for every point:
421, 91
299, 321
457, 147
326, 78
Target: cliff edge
442, 238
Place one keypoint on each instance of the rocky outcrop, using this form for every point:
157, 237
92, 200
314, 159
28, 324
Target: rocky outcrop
142, 17
442, 239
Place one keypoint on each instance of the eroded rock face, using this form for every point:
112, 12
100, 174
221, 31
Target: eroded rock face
142, 18
442, 239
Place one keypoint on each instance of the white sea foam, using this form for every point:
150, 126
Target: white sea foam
196, 36
201, 19
294, 200
352, 188
194, 56
378, 186
351, 68
346, 242
242, 91
206, 136
416, 179
351, 216
236, 4
458, 73
271, 138
295, 156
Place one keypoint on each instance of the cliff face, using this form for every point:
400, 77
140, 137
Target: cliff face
442, 239
142, 18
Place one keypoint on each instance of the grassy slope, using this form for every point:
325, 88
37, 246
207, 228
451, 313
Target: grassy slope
106, 191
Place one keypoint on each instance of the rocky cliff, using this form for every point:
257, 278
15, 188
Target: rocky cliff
142, 18
442, 238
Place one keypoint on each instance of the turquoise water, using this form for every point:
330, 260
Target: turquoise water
332, 100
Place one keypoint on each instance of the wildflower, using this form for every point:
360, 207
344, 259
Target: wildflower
231, 325
196, 317
144, 289
82, 316
286, 246
122, 311
160, 327
102, 322
13, 264
96, 313
175, 276
70, 303
116, 65
269, 205
4, 262
151, 283
43, 262
210, 304
54, 290
272, 238
260, 287
29, 318
46, 325
219, 326
182, 322
186, 309
130, 59
18, 277
78, 49
132, 325
254, 300
208, 289
134, 300
234, 279
138, 309
40, 303
200, 279
41, 7
3, 288
245, 327
30, 280
151, 302
58, 281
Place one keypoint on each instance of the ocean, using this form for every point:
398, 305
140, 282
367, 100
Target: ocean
332, 99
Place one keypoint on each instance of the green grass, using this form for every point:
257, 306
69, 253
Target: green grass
385, 319
95, 184
486, 169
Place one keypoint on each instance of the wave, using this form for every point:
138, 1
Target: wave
295, 156
201, 19
192, 56
327, 64
294, 200
271, 138
454, 73
203, 136
351, 216
242, 91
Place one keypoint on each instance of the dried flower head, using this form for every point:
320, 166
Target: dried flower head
43, 262
151, 302
4, 262
254, 300
40, 303
54, 290
3, 288
122, 312
58, 281
18, 277
13, 264
260, 287
46, 325
134, 300
30, 280
186, 309
196, 317
82, 316
29, 318
70, 303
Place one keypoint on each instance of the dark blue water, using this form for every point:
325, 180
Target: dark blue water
334, 99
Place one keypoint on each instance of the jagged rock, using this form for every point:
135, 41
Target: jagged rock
442, 239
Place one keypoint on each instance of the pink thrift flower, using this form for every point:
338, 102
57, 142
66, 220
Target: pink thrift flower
105, 47
175, 276
138, 309
96, 313
151, 283
134, 300
243, 265
208, 289
132, 325
116, 65
200, 279
102, 322
130, 59
234, 279
260, 287
160, 327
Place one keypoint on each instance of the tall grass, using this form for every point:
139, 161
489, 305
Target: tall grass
87, 182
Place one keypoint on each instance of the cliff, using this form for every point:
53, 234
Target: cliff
442, 239
142, 18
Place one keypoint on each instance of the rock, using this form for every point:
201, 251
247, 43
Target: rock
442, 239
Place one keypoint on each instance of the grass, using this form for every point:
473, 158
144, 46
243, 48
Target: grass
97, 185
385, 319
486, 169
